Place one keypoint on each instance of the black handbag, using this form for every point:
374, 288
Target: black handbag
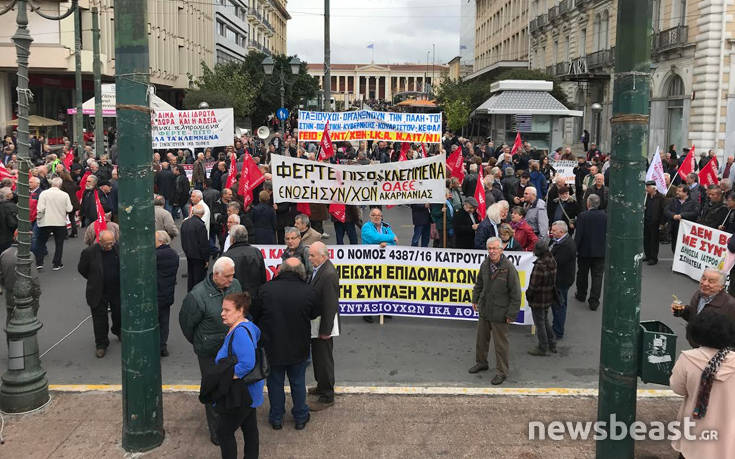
261, 370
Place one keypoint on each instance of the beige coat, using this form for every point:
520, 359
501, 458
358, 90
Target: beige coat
685, 380
311, 236
165, 222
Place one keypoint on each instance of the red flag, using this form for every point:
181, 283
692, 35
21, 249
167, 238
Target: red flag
5, 173
455, 164
83, 185
304, 208
708, 174
423, 149
232, 172
517, 145
405, 147
480, 194
100, 224
338, 211
326, 144
250, 178
687, 166
68, 160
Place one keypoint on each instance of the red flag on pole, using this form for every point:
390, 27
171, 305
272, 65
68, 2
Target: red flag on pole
304, 208
708, 174
100, 224
232, 172
423, 150
252, 178
455, 165
5, 173
338, 211
405, 147
517, 145
687, 166
480, 194
327, 150
83, 185
68, 160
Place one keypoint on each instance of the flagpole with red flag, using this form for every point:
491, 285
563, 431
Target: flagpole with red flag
708, 174
327, 148
517, 145
687, 166
480, 195
232, 173
100, 224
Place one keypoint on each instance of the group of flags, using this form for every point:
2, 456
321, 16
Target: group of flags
250, 177
707, 175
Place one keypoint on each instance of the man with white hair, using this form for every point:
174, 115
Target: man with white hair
201, 322
536, 214
710, 296
53, 206
167, 266
195, 243
197, 198
232, 219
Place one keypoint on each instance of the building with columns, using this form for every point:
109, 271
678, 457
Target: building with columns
360, 82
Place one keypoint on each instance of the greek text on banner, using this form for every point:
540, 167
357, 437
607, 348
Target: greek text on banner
409, 281
192, 128
405, 182
370, 125
699, 247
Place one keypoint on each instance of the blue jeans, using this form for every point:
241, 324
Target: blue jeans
422, 232
36, 248
184, 211
277, 396
560, 312
213, 250
340, 229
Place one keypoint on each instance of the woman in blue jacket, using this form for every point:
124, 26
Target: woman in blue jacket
235, 308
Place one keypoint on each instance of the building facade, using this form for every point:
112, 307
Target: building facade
692, 79
351, 83
230, 31
467, 33
180, 35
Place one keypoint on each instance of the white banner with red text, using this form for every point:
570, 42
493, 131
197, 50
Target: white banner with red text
410, 281
192, 128
699, 247
370, 125
404, 182
564, 168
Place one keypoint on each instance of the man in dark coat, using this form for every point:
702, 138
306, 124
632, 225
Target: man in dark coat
590, 239
710, 296
564, 251
167, 266
216, 175
580, 172
470, 182
249, 263
421, 219
680, 208
509, 183
181, 195
8, 219
100, 265
653, 218
714, 212
195, 243
283, 310
166, 182
325, 282
465, 223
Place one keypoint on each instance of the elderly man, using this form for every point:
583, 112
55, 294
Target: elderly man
8, 218
296, 248
164, 220
200, 319
167, 266
232, 219
714, 212
8, 259
100, 265
53, 205
308, 234
218, 223
653, 218
249, 263
497, 298
465, 224
590, 239
283, 310
536, 214
198, 199
680, 208
598, 188
564, 251
196, 246
710, 296
325, 282
376, 231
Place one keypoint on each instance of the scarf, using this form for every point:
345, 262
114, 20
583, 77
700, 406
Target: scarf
705, 384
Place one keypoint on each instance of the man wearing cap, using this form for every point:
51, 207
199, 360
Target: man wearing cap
465, 224
653, 217
520, 188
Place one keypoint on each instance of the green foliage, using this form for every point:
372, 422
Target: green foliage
457, 112
224, 86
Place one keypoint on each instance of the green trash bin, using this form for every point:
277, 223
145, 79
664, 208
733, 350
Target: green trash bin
658, 352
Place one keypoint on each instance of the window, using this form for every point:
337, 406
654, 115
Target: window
604, 30
221, 29
582, 42
596, 33
682, 12
656, 14
675, 111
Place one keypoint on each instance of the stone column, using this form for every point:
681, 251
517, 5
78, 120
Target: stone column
388, 89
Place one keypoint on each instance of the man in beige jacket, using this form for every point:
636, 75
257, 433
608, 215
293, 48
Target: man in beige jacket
164, 220
308, 234
53, 207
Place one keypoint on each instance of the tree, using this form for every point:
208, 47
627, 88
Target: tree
457, 112
224, 86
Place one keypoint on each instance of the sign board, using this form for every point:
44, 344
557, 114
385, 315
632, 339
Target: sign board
370, 125
282, 114
192, 128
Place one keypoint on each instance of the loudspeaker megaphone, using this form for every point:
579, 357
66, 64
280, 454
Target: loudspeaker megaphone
263, 132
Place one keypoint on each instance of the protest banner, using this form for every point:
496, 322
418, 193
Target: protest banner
564, 168
192, 128
410, 281
189, 169
699, 247
406, 182
370, 125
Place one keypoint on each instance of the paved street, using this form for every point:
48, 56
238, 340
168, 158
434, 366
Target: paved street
405, 351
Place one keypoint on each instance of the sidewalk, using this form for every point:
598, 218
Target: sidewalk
88, 425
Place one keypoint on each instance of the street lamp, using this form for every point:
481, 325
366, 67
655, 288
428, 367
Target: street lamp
24, 385
269, 65
597, 110
203, 104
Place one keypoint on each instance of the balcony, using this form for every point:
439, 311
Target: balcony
553, 13
542, 20
581, 4
601, 59
533, 25
670, 39
562, 68
550, 70
565, 6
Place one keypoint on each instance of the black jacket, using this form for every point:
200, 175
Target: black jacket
654, 212
713, 214
91, 268
167, 265
8, 221
420, 215
485, 231
565, 254
689, 210
249, 266
463, 232
264, 223
283, 309
194, 239
181, 195
88, 209
591, 234
326, 286
166, 182
469, 184
569, 213
215, 179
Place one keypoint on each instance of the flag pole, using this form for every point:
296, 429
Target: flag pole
444, 226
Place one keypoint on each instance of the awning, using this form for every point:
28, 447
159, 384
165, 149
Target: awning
37, 121
109, 100
524, 103
423, 103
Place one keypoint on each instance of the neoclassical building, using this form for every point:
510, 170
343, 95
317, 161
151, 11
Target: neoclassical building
355, 82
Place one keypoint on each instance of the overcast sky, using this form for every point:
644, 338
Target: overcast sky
402, 30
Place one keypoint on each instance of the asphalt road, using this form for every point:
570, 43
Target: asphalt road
404, 351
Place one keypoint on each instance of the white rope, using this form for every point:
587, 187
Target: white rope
66, 336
